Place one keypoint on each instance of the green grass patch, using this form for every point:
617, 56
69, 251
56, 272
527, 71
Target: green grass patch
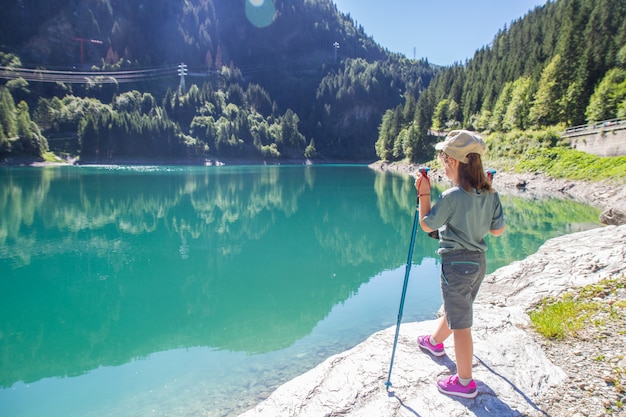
546, 152
51, 157
512, 145
571, 164
558, 318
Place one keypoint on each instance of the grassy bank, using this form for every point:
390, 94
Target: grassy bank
546, 152
564, 317
593, 316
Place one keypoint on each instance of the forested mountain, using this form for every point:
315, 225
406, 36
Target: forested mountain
274, 80
279, 79
562, 64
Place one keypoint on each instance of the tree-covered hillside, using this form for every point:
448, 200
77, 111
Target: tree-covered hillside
287, 78
563, 64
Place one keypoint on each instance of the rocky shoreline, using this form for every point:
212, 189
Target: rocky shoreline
605, 194
594, 361
519, 372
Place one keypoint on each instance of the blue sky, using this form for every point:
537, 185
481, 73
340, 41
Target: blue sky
444, 31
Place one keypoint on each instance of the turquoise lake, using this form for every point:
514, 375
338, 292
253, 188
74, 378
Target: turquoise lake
196, 291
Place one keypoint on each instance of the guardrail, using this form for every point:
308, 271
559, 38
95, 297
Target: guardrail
574, 130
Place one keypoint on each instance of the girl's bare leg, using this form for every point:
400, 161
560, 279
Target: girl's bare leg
463, 350
443, 331
463, 346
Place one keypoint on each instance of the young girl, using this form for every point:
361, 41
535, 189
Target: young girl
463, 216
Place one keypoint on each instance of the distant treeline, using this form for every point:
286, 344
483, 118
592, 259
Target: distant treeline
207, 122
309, 84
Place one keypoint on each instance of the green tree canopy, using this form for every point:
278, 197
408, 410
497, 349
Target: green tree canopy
608, 96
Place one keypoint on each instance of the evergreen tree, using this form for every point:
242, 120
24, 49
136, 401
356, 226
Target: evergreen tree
310, 151
499, 111
608, 96
546, 107
388, 132
440, 116
8, 128
290, 135
516, 116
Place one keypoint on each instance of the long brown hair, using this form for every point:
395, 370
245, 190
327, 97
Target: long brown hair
472, 174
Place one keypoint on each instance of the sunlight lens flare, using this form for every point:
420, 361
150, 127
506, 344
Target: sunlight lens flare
260, 12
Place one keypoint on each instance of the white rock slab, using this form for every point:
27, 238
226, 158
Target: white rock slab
510, 368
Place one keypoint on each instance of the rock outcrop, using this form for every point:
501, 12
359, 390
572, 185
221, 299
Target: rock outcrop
511, 369
614, 216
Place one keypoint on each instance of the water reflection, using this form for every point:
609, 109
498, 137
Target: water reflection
103, 265
106, 265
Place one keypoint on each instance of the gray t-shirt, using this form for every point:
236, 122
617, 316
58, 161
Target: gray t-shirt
464, 219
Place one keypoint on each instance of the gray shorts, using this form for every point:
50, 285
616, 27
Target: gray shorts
462, 272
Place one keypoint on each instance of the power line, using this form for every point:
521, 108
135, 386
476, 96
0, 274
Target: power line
298, 64
85, 77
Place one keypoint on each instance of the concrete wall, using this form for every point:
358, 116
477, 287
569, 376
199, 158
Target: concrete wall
604, 141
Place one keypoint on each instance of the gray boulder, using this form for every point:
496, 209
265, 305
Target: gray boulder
613, 216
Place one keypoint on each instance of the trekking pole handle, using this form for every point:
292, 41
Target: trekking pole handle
423, 170
490, 173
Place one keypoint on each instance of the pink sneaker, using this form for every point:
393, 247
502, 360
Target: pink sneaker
452, 386
424, 344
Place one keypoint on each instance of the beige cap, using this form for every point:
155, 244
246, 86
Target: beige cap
459, 143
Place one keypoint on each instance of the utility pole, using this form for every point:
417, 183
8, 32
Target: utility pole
82, 42
182, 71
336, 45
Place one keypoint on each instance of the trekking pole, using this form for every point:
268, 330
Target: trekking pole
424, 172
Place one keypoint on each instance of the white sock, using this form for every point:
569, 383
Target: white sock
465, 381
432, 341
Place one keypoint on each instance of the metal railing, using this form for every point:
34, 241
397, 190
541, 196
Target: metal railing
591, 127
